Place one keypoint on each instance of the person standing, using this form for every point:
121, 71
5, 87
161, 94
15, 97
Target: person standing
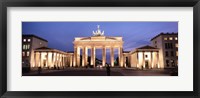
39, 70
108, 70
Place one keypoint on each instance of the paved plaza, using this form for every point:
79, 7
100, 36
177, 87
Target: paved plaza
100, 72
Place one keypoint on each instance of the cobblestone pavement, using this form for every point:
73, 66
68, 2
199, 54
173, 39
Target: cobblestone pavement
99, 72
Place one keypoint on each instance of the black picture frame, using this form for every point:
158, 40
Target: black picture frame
99, 3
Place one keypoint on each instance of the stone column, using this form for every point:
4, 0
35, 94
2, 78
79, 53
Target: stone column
61, 56
143, 61
40, 59
112, 56
57, 61
47, 60
124, 61
54, 60
83, 56
52, 56
93, 56
71, 61
120, 56
152, 59
104, 56
65, 59
37, 60
34, 59
75, 56
86, 56
158, 63
57, 58
61, 59
78, 56
137, 60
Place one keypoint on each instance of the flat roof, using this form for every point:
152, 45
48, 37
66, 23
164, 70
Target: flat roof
31, 35
49, 49
70, 51
126, 51
147, 47
164, 34
44, 48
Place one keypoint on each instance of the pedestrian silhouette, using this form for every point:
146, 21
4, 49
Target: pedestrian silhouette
39, 70
108, 70
54, 67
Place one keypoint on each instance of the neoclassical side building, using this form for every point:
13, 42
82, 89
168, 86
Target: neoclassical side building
51, 58
29, 44
146, 57
35, 53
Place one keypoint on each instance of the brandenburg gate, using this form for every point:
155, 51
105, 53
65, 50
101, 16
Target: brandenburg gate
97, 41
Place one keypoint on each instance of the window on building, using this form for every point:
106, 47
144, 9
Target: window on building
40, 43
23, 53
170, 38
28, 46
27, 53
176, 38
24, 47
156, 46
167, 63
166, 46
24, 40
166, 53
146, 56
176, 53
29, 40
172, 63
155, 42
172, 53
171, 45
176, 45
165, 38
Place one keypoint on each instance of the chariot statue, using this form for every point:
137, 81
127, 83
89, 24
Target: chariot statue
98, 32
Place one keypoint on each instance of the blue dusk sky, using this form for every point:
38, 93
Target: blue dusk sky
60, 35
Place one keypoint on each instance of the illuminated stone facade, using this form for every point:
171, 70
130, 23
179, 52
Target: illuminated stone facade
163, 52
146, 57
36, 54
29, 44
51, 58
168, 49
97, 41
